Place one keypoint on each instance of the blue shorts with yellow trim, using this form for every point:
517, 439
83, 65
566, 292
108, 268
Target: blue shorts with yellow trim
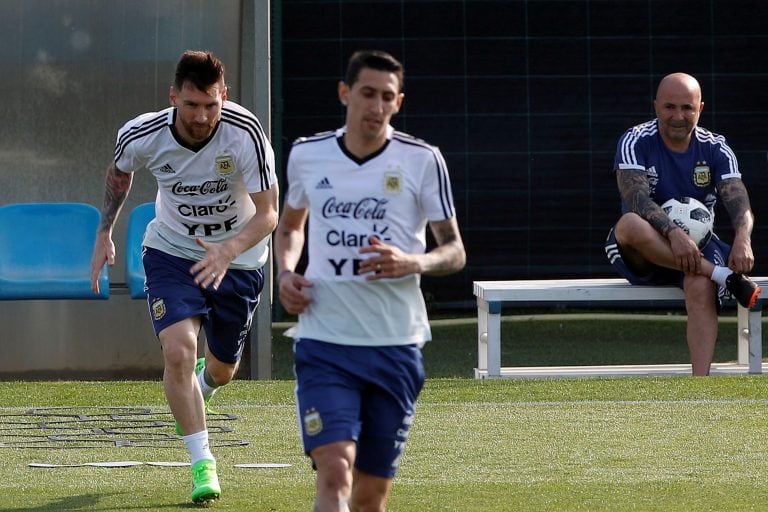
358, 393
226, 313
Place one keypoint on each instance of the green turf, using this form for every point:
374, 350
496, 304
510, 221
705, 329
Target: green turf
552, 340
647, 444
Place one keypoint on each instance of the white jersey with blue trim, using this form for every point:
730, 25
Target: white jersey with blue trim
202, 192
693, 173
392, 195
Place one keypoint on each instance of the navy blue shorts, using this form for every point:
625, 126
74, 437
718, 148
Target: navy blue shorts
226, 313
362, 394
715, 251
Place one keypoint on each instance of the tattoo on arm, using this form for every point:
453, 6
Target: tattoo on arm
636, 192
450, 245
736, 201
117, 186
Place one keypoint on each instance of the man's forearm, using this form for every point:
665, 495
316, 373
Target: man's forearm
117, 186
634, 189
736, 201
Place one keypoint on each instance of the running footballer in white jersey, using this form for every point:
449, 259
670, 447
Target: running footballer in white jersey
202, 192
367, 194
390, 195
216, 207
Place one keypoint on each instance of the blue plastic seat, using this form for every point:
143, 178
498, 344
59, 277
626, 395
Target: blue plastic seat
134, 267
46, 249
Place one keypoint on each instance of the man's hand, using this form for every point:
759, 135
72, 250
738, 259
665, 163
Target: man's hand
211, 270
741, 260
291, 289
387, 261
687, 253
103, 252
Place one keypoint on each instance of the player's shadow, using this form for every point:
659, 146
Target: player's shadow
92, 502
64, 504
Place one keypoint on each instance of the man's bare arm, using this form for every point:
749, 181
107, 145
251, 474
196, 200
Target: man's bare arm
635, 190
117, 186
735, 199
449, 256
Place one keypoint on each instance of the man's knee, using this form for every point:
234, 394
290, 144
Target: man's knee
369, 492
629, 228
699, 291
221, 373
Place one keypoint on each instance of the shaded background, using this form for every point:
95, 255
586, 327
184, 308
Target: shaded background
526, 99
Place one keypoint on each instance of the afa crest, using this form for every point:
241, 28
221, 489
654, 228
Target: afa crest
313, 423
225, 165
158, 309
702, 177
393, 182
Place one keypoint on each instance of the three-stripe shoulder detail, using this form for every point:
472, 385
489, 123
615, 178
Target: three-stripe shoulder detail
441, 170
245, 120
318, 137
146, 127
632, 137
707, 137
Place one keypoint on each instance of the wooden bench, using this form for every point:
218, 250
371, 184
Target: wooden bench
491, 295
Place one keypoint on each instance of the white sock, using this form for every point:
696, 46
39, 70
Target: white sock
720, 274
198, 447
206, 389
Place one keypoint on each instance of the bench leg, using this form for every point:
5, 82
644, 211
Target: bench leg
742, 334
755, 327
482, 338
750, 337
488, 338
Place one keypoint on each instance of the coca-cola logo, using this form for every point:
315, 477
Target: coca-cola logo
367, 208
205, 188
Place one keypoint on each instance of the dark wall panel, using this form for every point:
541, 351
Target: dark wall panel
527, 100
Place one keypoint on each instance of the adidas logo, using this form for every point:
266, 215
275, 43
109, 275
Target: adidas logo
324, 183
167, 169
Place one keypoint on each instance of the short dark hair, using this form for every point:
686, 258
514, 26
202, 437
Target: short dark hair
373, 59
202, 69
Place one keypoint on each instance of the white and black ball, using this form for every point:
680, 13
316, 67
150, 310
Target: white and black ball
693, 217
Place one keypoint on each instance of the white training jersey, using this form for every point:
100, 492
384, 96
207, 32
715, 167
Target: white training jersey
392, 194
202, 192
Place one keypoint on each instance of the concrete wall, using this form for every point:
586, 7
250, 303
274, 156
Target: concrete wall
74, 72
78, 339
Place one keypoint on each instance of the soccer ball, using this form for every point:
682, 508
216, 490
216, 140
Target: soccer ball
693, 217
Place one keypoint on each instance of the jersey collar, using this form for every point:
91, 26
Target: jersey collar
360, 161
183, 143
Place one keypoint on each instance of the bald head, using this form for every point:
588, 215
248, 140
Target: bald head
678, 106
679, 83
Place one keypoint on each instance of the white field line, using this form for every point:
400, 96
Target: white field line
524, 403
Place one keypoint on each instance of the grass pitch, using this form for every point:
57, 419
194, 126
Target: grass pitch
641, 444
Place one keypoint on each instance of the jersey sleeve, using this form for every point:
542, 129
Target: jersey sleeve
629, 152
436, 196
259, 166
258, 157
296, 197
134, 133
126, 158
726, 166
